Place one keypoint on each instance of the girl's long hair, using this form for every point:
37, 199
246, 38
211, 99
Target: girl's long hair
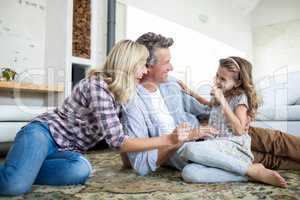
120, 68
243, 75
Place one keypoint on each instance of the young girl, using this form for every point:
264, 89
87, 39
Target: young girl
233, 105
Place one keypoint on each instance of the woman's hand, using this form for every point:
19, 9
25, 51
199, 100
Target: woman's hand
181, 133
184, 133
204, 132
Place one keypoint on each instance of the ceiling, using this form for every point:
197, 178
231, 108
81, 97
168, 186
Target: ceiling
245, 6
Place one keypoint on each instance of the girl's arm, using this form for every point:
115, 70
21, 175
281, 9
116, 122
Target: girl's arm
238, 119
185, 89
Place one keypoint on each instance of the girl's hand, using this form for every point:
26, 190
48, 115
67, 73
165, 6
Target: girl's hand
193, 94
217, 93
184, 87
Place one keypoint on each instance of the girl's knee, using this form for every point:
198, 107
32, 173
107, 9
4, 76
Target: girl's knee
190, 171
197, 152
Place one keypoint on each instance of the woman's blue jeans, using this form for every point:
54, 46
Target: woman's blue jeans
34, 159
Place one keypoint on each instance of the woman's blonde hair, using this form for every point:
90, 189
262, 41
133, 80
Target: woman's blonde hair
120, 68
243, 75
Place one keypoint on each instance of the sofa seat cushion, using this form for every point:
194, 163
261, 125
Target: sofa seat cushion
9, 130
15, 113
293, 87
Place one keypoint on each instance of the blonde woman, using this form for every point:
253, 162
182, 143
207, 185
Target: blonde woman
48, 150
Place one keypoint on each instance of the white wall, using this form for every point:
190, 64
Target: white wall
204, 31
276, 37
58, 45
194, 55
101, 28
101, 32
22, 46
22, 34
214, 18
101, 37
121, 21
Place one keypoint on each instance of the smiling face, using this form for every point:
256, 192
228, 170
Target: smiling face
140, 73
225, 79
158, 72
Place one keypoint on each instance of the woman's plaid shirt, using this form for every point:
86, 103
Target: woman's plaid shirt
89, 115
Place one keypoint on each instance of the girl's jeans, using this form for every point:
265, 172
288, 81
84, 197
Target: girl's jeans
210, 165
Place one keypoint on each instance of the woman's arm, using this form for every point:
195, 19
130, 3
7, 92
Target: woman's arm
145, 144
181, 133
163, 155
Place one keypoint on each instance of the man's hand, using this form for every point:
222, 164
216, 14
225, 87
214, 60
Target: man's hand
125, 161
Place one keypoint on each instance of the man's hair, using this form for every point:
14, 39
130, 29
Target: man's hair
154, 41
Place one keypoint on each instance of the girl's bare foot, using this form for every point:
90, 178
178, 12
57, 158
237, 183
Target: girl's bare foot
259, 173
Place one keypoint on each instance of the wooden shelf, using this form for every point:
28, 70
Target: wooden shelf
5, 85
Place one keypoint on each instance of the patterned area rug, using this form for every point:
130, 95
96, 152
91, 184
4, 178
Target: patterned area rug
110, 181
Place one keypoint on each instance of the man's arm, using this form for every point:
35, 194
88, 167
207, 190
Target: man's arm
136, 127
165, 153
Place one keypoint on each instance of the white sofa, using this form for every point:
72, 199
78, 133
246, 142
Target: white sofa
12, 118
281, 102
